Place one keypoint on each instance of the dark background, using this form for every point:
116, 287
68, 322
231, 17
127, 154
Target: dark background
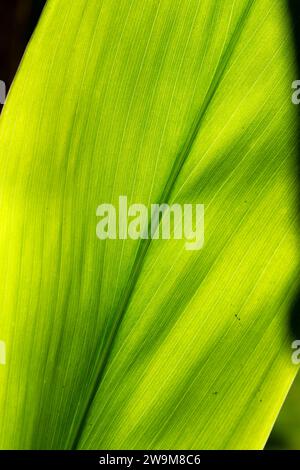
17, 22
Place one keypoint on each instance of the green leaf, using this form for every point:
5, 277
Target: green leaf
140, 343
286, 433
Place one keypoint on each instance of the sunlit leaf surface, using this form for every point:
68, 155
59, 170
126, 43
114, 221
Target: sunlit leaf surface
138, 343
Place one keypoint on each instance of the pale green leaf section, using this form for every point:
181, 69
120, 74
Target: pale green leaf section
137, 344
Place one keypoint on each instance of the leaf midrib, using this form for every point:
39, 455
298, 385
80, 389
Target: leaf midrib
165, 197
